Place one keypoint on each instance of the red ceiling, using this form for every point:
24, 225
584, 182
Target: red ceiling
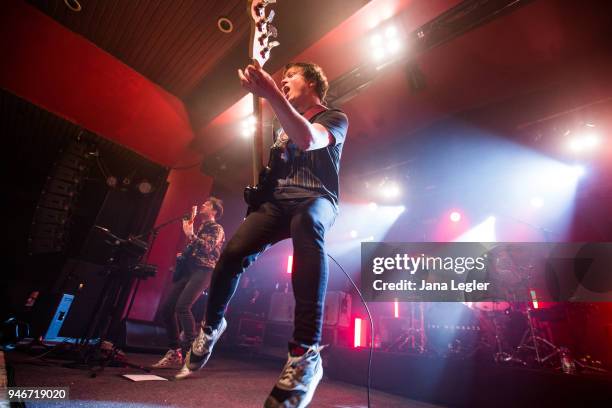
546, 44
64, 73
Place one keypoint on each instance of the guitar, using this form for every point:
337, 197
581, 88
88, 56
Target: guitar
181, 267
262, 40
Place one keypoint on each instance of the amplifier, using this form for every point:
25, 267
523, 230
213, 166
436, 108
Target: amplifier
337, 309
282, 307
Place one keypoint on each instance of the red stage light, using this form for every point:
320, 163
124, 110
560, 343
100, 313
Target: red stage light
534, 299
289, 263
357, 336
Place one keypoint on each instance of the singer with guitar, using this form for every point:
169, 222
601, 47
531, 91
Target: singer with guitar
192, 274
299, 201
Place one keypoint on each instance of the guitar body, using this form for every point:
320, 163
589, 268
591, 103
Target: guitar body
255, 196
181, 268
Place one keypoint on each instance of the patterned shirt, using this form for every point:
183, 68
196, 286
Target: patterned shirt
205, 248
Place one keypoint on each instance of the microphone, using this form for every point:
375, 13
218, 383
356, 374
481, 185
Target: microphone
191, 216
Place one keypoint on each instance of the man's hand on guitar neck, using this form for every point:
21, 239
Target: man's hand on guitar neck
257, 81
305, 135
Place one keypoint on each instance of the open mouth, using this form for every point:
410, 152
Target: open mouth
285, 90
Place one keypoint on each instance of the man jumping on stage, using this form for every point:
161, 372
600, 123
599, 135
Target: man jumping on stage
302, 206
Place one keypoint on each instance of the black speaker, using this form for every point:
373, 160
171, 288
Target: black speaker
51, 223
138, 335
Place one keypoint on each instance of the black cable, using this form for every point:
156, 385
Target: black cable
101, 167
371, 324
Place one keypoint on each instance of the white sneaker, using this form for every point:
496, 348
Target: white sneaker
184, 372
202, 346
298, 380
172, 359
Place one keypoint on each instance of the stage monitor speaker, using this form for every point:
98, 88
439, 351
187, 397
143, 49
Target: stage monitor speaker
81, 280
59, 318
74, 299
139, 335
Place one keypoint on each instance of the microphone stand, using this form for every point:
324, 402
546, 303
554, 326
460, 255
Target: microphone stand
155, 231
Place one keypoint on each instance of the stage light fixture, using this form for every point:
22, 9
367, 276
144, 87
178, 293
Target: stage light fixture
111, 181
394, 46
391, 31
248, 126
145, 187
584, 143
455, 216
536, 202
390, 190
353, 234
385, 43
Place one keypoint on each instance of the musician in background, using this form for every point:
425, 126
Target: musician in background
303, 205
191, 277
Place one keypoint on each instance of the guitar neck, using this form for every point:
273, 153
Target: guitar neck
257, 139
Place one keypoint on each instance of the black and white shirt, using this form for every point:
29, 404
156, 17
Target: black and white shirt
314, 173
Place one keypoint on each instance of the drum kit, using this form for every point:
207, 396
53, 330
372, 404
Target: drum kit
509, 332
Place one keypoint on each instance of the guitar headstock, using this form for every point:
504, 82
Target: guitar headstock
263, 33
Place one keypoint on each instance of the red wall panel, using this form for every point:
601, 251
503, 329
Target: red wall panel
54, 68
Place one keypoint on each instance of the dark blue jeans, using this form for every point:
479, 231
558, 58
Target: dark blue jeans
177, 306
305, 221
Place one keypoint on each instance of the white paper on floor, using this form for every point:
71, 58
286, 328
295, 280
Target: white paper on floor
144, 377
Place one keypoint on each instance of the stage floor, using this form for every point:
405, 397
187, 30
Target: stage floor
226, 382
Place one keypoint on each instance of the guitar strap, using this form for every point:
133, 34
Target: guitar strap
309, 114
314, 111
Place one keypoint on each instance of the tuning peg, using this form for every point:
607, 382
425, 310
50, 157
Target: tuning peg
264, 22
270, 16
272, 45
265, 51
261, 6
272, 31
